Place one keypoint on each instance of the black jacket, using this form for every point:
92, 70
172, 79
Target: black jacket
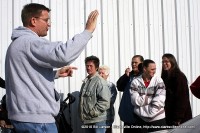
2, 83
177, 103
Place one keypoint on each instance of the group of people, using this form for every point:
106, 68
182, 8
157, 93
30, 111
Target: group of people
153, 103
32, 101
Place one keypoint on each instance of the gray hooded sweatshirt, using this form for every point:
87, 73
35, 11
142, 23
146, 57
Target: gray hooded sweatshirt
29, 65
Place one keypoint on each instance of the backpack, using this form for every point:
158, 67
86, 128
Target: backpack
61, 122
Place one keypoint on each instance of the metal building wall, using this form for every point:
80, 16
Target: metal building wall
125, 28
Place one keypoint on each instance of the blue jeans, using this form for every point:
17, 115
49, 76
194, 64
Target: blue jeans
99, 127
26, 127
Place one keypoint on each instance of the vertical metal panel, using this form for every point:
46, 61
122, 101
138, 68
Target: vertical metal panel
195, 47
95, 45
141, 28
183, 36
126, 45
155, 33
169, 26
5, 32
124, 28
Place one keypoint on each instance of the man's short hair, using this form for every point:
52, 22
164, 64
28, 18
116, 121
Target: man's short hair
94, 59
32, 10
139, 56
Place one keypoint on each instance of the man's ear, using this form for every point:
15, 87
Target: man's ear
32, 21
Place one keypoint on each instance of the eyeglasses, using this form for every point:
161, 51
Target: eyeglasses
165, 61
47, 20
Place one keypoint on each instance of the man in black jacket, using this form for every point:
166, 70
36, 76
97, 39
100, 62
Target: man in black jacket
126, 112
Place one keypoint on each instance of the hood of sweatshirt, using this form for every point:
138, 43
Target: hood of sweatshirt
21, 31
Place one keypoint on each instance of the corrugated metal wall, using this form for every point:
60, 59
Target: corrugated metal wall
125, 28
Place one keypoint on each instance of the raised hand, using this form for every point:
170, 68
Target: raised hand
127, 71
92, 21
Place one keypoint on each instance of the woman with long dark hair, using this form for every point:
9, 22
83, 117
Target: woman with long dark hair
177, 104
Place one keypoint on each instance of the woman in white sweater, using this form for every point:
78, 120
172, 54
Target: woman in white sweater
148, 96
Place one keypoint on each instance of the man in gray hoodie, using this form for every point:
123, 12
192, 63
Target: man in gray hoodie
32, 101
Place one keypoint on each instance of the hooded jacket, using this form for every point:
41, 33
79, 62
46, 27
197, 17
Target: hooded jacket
29, 65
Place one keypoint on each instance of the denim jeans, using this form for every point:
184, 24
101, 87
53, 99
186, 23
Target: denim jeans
26, 127
99, 127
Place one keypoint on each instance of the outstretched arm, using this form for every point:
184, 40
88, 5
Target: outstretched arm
65, 71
